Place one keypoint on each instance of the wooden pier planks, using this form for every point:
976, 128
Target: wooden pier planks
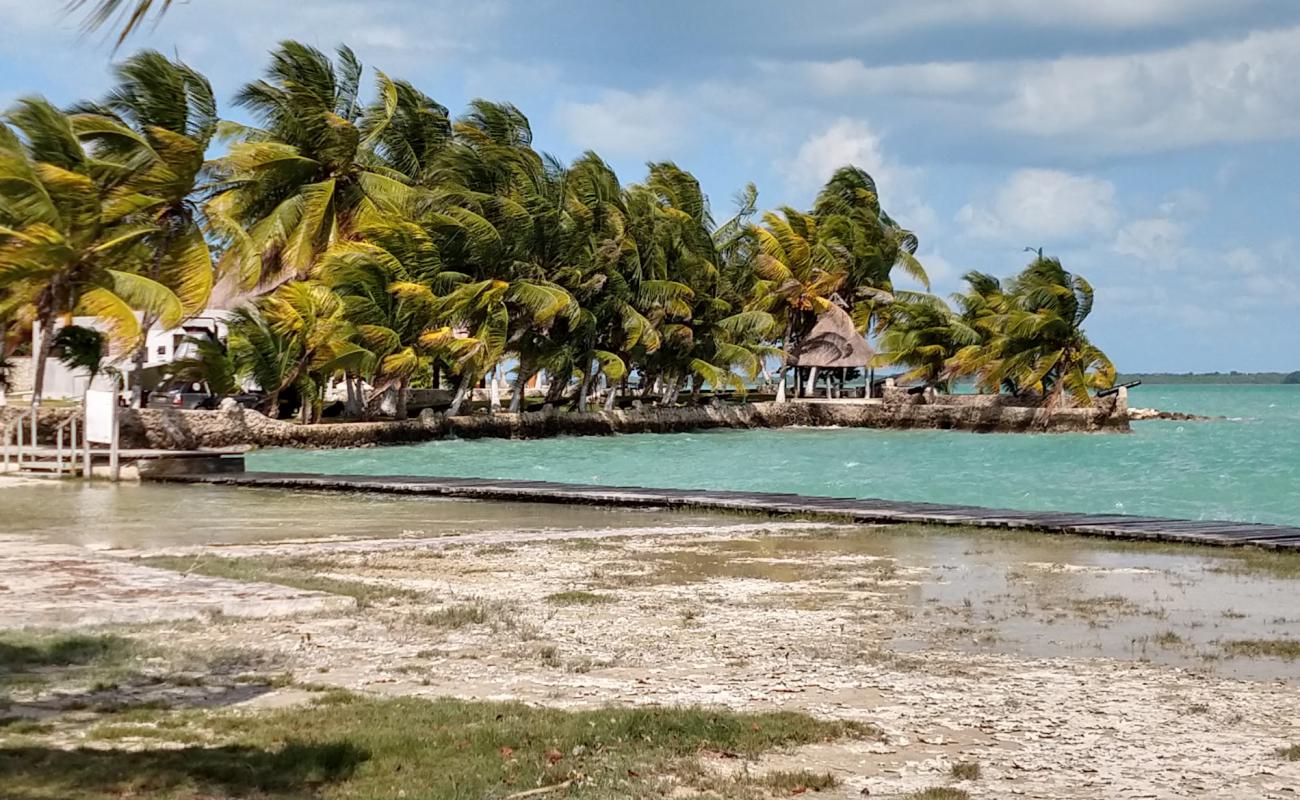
1120, 526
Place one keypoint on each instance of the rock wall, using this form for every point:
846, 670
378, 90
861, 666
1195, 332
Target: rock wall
234, 427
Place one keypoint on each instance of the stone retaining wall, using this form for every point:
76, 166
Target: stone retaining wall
235, 427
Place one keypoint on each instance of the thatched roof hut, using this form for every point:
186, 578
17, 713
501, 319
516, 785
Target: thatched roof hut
833, 343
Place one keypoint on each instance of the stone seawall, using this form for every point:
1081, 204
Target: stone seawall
235, 427
187, 430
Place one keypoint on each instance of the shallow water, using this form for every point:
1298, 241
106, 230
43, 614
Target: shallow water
128, 516
1029, 594
1243, 468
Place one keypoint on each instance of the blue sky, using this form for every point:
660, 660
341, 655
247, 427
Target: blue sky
1151, 144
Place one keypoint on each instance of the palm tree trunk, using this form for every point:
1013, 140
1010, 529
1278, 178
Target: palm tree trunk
467, 381
355, 408
273, 404
43, 344
399, 411
521, 382
584, 387
612, 397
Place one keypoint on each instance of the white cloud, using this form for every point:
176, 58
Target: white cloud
1040, 206
1156, 241
646, 125
854, 142
1097, 14
1197, 93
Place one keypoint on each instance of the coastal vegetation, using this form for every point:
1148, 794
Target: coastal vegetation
376, 242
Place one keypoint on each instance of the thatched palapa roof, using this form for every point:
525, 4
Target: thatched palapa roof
834, 342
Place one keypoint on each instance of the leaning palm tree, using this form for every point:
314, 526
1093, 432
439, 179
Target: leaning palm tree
801, 274
924, 335
72, 233
305, 179
389, 280
161, 116
1041, 345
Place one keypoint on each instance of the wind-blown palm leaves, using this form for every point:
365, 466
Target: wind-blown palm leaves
126, 15
388, 245
160, 118
74, 229
303, 180
1026, 337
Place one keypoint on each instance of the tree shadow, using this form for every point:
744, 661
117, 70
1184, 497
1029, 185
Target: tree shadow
296, 770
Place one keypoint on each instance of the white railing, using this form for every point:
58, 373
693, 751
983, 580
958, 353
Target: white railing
70, 422
15, 425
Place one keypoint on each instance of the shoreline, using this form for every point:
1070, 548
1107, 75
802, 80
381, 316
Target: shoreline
1221, 533
233, 426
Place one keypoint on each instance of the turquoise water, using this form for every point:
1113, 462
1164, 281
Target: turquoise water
1244, 468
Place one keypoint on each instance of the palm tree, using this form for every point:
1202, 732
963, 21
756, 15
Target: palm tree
1041, 345
162, 116
389, 280
305, 179
73, 233
294, 338
801, 275
926, 336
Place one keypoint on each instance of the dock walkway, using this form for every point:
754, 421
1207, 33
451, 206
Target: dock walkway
1116, 526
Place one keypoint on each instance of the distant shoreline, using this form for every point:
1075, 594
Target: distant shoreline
1213, 378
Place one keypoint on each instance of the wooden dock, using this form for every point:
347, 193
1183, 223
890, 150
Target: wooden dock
1115, 526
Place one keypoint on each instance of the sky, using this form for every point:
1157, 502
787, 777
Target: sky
1150, 144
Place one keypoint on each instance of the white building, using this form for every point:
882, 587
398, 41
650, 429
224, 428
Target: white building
162, 347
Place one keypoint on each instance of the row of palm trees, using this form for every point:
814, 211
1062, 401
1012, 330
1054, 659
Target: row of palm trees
381, 242
1024, 335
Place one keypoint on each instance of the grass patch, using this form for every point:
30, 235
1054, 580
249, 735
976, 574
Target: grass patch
1288, 649
965, 770
22, 652
578, 598
474, 612
799, 781
939, 793
24, 726
1169, 639
1291, 753
298, 573
113, 732
34, 661
358, 748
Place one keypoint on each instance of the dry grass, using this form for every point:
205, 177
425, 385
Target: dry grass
1288, 649
799, 781
965, 770
939, 793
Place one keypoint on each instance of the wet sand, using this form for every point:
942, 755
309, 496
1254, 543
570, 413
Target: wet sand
1065, 667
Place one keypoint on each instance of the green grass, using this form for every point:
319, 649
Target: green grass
299, 573
33, 661
799, 781
939, 793
1288, 649
345, 746
578, 598
21, 651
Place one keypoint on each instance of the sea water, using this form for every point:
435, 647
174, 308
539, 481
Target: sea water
1244, 467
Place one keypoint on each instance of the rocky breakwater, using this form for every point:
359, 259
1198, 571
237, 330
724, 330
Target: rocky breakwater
232, 426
